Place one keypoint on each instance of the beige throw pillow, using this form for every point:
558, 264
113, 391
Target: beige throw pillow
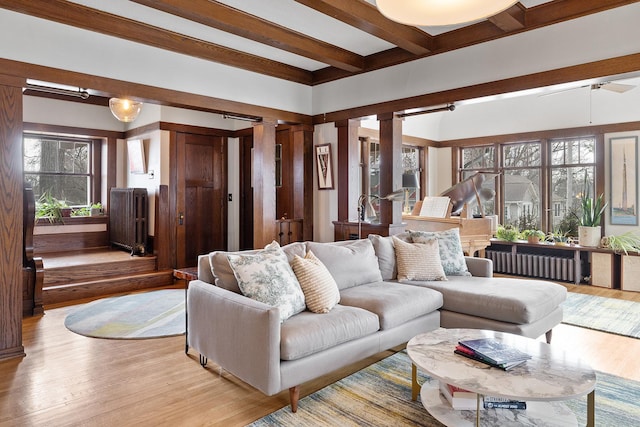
320, 289
418, 261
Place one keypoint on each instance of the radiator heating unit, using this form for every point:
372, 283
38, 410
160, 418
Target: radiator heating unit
533, 265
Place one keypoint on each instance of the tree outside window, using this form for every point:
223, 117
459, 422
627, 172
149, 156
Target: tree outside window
58, 167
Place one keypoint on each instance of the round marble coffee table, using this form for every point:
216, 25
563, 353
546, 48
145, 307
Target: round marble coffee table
550, 376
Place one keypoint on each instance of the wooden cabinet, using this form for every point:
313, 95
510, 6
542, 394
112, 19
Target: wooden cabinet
289, 231
348, 230
603, 269
630, 271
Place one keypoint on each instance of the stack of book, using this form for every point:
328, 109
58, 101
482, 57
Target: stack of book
492, 352
461, 399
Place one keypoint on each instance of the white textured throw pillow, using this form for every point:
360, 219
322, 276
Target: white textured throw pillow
266, 276
418, 261
320, 289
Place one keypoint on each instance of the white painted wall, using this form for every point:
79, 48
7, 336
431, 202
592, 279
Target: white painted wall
325, 202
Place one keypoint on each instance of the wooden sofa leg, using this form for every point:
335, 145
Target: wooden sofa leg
294, 395
548, 335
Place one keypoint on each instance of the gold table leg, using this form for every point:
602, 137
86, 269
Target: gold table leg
415, 387
591, 409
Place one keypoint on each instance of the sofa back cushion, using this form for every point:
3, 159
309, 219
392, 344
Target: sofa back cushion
351, 263
223, 273
386, 253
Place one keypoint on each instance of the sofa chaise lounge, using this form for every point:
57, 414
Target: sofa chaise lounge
376, 312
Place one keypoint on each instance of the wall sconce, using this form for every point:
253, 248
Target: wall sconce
125, 110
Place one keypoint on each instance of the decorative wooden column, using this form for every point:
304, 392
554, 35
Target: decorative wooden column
264, 182
348, 170
11, 213
390, 167
302, 137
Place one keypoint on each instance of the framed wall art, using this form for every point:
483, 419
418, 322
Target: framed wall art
624, 179
324, 167
135, 151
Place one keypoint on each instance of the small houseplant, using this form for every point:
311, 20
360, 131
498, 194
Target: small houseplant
50, 208
507, 232
532, 236
626, 242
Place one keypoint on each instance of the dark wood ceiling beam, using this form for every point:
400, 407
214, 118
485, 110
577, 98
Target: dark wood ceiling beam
364, 16
234, 21
484, 31
91, 19
107, 87
511, 19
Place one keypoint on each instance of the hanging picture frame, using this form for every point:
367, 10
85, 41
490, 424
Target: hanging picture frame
135, 151
624, 178
324, 167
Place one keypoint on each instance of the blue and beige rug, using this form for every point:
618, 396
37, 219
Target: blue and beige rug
142, 315
380, 395
603, 314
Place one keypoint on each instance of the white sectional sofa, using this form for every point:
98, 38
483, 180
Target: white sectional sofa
375, 312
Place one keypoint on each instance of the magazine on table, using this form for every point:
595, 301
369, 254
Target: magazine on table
495, 351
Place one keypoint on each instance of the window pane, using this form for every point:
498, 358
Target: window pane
478, 158
522, 198
487, 205
521, 155
567, 186
74, 190
573, 151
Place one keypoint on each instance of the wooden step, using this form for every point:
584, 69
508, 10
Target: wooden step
88, 265
95, 288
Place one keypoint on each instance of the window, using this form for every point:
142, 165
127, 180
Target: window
521, 184
569, 172
59, 167
572, 166
370, 177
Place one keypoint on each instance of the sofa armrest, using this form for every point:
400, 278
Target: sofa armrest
480, 267
237, 333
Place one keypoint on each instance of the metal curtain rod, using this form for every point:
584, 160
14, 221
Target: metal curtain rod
80, 93
449, 107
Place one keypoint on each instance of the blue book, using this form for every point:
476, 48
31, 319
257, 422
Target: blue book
495, 351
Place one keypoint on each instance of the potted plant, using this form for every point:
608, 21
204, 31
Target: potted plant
96, 209
557, 238
626, 242
507, 232
50, 208
532, 236
591, 216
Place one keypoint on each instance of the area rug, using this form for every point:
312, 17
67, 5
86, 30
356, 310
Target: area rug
380, 395
142, 315
603, 314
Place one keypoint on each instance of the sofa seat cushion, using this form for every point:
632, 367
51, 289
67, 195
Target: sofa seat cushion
394, 303
307, 333
500, 298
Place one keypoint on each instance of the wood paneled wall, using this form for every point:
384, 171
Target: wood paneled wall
11, 212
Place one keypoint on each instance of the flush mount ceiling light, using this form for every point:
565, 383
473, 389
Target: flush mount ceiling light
125, 110
440, 12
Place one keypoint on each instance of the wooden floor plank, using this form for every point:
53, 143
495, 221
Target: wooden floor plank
68, 379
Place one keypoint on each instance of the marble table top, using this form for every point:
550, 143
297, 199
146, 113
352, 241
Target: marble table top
551, 374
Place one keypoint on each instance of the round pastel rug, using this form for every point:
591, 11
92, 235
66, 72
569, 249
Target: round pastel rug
142, 315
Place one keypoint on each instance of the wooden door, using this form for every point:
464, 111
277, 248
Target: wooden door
201, 189
246, 194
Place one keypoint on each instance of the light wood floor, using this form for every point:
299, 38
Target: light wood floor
67, 379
